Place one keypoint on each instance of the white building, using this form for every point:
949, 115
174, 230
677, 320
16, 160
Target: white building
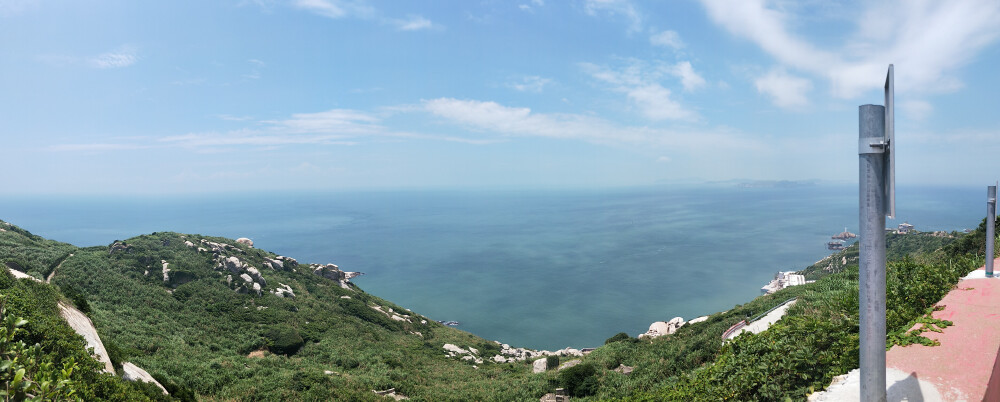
783, 280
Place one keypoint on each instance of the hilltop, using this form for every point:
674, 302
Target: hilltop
214, 318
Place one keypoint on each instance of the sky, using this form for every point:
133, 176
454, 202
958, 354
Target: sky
169, 97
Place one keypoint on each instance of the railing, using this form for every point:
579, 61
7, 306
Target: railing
740, 325
736, 327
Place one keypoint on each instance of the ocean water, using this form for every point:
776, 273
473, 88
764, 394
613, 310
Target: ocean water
539, 269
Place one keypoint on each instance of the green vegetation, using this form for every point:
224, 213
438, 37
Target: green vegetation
203, 339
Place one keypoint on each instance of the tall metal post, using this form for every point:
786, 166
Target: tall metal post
991, 217
872, 212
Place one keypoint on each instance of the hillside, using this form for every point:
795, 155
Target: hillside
215, 319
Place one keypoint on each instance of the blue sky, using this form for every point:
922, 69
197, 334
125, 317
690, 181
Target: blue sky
193, 96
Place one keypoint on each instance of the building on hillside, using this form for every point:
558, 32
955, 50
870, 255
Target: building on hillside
783, 280
904, 228
835, 245
845, 235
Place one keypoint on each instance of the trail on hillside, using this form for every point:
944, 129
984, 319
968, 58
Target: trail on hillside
53, 273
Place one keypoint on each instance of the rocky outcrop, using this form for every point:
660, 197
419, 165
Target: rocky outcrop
333, 273
468, 355
188, 243
624, 369
166, 270
131, 372
569, 364
117, 246
661, 328
245, 241
540, 366
283, 290
216, 247
82, 325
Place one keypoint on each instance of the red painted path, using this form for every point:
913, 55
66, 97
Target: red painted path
965, 366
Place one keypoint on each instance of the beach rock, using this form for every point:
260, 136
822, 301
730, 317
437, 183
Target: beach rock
540, 366
348, 275
245, 241
329, 271
131, 372
661, 328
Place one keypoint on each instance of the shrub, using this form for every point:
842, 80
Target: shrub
621, 336
284, 340
579, 380
551, 362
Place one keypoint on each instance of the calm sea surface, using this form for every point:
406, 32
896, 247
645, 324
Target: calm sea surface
539, 269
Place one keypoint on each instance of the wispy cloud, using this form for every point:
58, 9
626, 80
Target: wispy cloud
928, 41
531, 83
785, 90
623, 8
497, 119
338, 9
690, 79
413, 23
335, 8
641, 83
122, 57
667, 39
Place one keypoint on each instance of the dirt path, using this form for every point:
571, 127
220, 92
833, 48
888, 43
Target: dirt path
53, 273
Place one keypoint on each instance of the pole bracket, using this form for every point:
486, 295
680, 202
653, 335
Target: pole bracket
872, 145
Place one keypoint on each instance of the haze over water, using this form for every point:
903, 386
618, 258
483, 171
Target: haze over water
540, 269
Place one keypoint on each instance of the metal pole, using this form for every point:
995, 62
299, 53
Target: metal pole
872, 203
991, 217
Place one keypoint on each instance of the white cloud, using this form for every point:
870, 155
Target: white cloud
333, 8
641, 84
927, 41
655, 103
663, 159
785, 90
689, 78
491, 117
531, 83
624, 8
667, 39
339, 121
414, 23
122, 57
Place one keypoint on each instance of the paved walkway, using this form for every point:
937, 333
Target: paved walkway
764, 322
965, 367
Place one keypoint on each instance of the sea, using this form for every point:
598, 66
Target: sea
543, 269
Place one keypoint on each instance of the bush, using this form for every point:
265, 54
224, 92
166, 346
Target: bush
579, 380
621, 336
551, 362
283, 340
